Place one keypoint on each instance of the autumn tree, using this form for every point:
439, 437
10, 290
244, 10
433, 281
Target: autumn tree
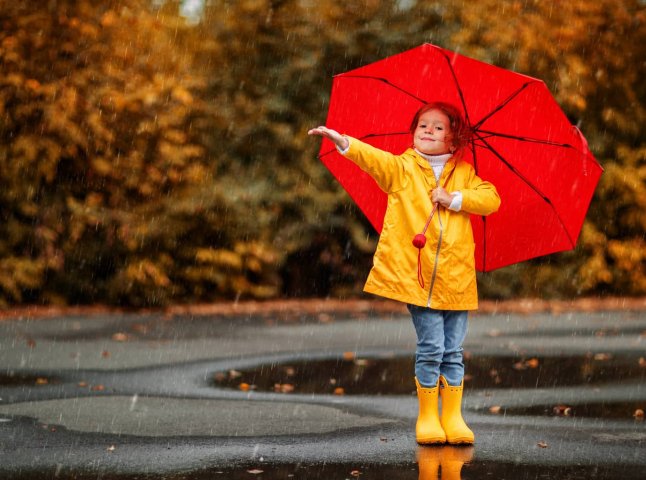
145, 159
100, 132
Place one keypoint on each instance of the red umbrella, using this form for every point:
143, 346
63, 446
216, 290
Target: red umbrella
522, 143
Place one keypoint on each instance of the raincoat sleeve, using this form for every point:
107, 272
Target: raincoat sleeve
479, 197
387, 169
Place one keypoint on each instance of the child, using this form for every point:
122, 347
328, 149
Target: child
439, 297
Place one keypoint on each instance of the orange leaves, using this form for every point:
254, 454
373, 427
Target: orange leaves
562, 410
523, 365
283, 387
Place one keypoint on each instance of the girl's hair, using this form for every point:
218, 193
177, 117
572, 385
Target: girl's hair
460, 130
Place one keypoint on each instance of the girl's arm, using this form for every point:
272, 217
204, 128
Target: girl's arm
385, 168
479, 197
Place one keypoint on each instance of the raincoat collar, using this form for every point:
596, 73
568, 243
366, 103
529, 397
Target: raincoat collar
435, 159
423, 163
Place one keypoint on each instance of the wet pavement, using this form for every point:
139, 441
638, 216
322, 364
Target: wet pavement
318, 396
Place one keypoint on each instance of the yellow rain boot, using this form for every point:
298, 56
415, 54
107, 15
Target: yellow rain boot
451, 419
428, 429
428, 461
452, 459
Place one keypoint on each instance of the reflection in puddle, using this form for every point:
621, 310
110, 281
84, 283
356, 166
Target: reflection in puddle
451, 466
394, 376
13, 379
624, 410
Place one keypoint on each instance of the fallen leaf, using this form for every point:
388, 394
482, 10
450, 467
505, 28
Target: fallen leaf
220, 377
120, 337
290, 371
494, 333
519, 366
244, 387
140, 328
325, 318
234, 374
602, 356
283, 387
255, 471
542, 444
348, 355
41, 381
82, 384
31, 343
339, 391
639, 414
105, 354
532, 362
642, 362
355, 473
97, 388
111, 448
562, 410
495, 409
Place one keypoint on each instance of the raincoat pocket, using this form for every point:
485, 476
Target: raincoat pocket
461, 270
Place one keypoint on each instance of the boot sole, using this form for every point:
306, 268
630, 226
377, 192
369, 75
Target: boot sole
460, 441
431, 441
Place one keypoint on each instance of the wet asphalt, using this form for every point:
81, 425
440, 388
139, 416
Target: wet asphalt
136, 396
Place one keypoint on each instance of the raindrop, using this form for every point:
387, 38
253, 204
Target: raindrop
133, 401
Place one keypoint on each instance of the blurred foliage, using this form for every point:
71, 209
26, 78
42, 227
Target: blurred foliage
145, 159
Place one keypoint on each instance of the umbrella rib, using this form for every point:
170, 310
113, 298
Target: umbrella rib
502, 105
484, 218
457, 86
387, 82
530, 185
524, 139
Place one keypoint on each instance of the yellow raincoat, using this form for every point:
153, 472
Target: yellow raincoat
448, 263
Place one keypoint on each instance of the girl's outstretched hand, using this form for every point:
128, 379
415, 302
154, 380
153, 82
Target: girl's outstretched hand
338, 139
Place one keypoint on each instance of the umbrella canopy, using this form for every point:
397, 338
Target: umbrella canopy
522, 143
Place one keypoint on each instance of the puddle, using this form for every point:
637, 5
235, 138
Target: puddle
12, 379
394, 376
616, 410
410, 471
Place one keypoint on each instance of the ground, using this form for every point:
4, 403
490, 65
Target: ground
190, 392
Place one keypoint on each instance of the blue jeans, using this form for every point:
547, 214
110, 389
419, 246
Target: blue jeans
440, 334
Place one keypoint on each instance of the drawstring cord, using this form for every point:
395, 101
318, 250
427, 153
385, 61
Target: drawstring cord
419, 241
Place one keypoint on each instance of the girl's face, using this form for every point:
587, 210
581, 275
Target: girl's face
433, 133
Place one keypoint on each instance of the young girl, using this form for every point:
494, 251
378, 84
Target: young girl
437, 282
